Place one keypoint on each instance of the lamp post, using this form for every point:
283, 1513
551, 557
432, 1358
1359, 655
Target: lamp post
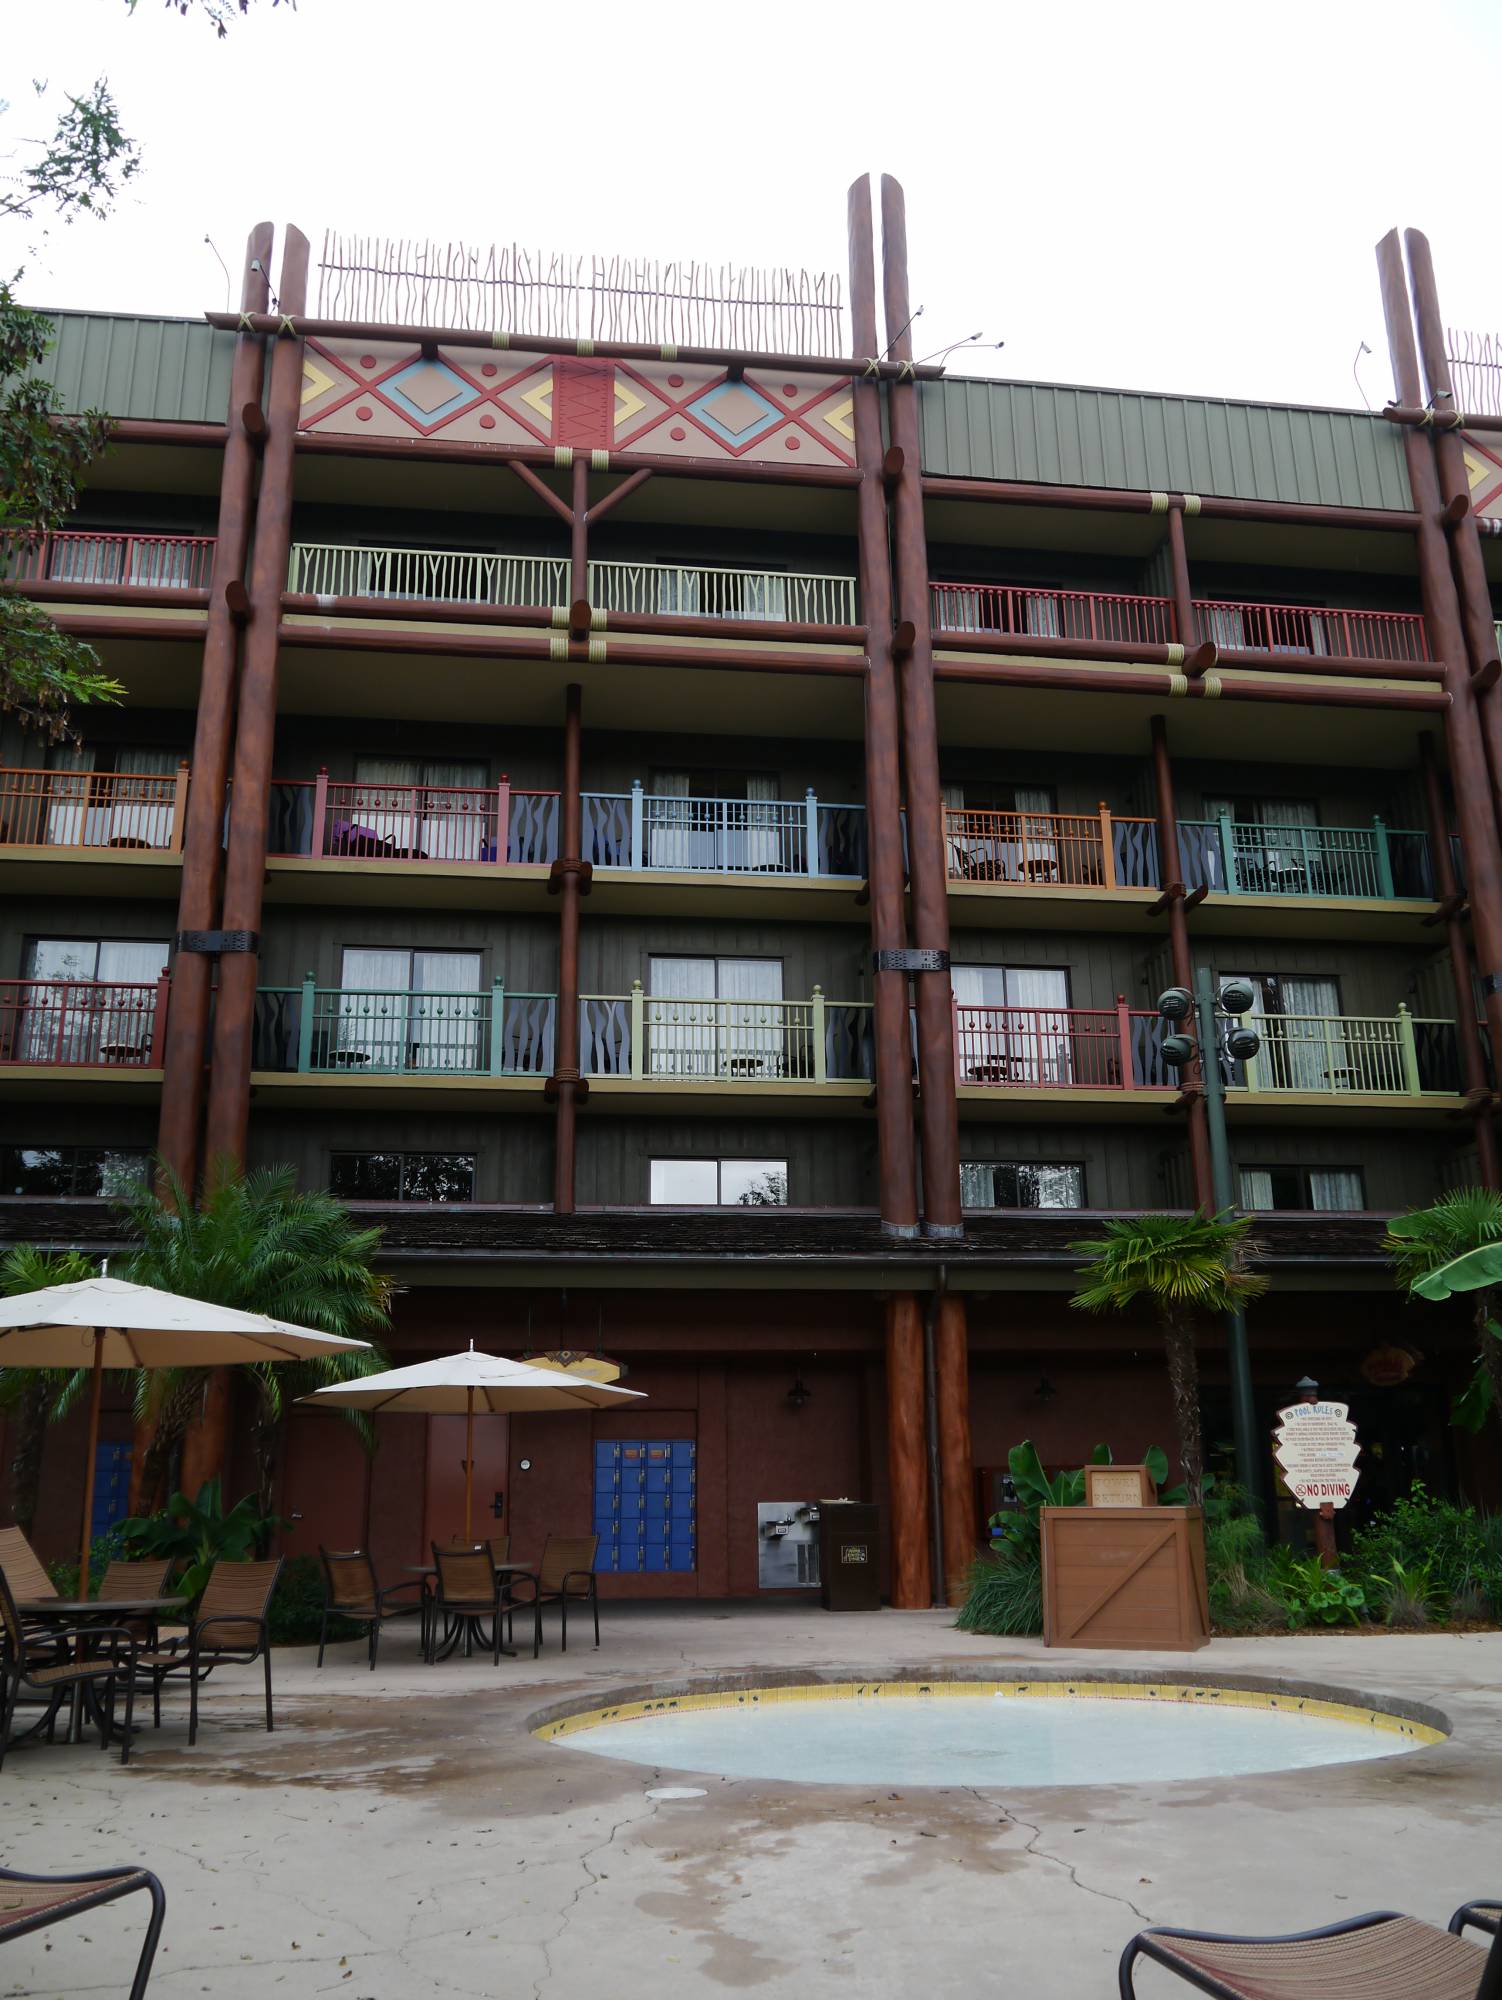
1217, 1018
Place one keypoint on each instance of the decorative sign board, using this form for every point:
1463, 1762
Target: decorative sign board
1119, 1486
1316, 1449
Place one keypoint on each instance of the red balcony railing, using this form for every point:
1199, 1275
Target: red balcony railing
1052, 614
83, 1023
1302, 628
167, 562
109, 809
1059, 1048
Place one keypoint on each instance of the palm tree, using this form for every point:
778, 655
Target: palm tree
259, 1244
31, 1398
1183, 1266
1465, 1223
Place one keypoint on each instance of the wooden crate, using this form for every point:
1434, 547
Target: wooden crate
1128, 1577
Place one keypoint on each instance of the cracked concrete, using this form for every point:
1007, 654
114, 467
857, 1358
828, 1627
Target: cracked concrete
402, 1832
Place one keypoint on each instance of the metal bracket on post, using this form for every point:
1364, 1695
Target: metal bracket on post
925, 960
216, 943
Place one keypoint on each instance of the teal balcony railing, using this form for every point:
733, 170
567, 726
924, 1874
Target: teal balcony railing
360, 1031
1250, 858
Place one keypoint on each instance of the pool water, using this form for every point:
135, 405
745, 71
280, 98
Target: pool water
993, 1738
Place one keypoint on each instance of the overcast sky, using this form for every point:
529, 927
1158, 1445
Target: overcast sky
1182, 195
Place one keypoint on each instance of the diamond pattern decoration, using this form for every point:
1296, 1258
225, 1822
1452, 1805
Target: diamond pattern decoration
735, 413
316, 381
429, 392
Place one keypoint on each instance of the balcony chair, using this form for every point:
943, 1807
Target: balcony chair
566, 1575
1381, 1956
31, 1902
229, 1628
350, 1591
53, 1665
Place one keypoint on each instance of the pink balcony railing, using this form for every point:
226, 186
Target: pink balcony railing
1302, 628
1059, 1048
168, 562
326, 816
83, 1023
94, 809
1052, 614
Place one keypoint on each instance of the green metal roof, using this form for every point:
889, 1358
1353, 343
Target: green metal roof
129, 365
1057, 435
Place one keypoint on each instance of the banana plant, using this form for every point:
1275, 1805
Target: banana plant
1015, 1529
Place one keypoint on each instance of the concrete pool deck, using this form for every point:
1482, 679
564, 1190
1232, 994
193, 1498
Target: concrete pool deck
403, 1833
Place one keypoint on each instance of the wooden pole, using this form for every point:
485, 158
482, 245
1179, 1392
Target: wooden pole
469, 1464
1170, 874
1178, 563
907, 1467
956, 1468
213, 733
927, 867
96, 1394
565, 1079
245, 866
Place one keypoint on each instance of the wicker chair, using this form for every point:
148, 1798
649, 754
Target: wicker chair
44, 1666
468, 1591
1381, 1956
31, 1902
228, 1629
566, 1575
350, 1591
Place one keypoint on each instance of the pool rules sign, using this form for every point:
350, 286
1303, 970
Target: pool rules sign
1316, 1449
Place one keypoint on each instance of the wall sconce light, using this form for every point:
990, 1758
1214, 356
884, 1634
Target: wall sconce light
1045, 1391
799, 1394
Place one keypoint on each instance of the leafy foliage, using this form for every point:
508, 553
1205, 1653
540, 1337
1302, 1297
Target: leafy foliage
1421, 1531
297, 1608
82, 168
1455, 1245
1408, 1596
199, 1533
1312, 1594
222, 13
1003, 1595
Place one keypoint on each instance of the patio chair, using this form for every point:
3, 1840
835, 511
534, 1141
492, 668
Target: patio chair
229, 1628
31, 1902
1381, 1956
124, 1580
46, 1667
22, 1567
468, 1589
350, 1591
566, 1575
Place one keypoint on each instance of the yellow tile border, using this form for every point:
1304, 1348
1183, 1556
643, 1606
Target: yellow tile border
1184, 1693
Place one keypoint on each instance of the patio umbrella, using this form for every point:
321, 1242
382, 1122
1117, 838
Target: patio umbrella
460, 1384
102, 1323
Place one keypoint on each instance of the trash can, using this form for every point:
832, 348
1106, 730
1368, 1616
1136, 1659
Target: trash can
848, 1556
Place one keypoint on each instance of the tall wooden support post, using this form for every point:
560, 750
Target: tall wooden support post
907, 1472
245, 863
1472, 1057
956, 1461
578, 542
567, 878
1170, 870
1178, 570
927, 868
1469, 774
203, 835
1468, 563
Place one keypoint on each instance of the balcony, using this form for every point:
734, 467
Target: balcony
1093, 1056
81, 1031
96, 561
649, 1048
1243, 858
93, 832
646, 590
1111, 618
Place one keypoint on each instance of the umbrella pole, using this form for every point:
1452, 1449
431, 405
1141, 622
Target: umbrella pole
469, 1465
96, 1389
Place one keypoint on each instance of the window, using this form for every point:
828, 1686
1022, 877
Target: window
719, 820
1302, 1049
411, 1010
93, 1000
1001, 833
722, 1017
719, 1183
1326, 1190
1012, 1024
1021, 1184
110, 795
402, 1176
422, 808
73, 1170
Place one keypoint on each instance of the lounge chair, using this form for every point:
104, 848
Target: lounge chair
566, 1575
1381, 1956
350, 1591
31, 1902
43, 1664
229, 1628
468, 1591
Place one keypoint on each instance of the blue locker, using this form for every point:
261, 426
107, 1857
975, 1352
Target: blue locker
644, 1505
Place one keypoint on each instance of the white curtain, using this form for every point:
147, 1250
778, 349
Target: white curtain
141, 814
1039, 1041
1336, 1189
373, 1009
670, 824
444, 1018
752, 1028
385, 801
87, 559
1255, 1191
681, 1017
1043, 617
762, 843
764, 597
454, 821
963, 851
91, 1026
1040, 852
1225, 624
1296, 856
1317, 1054
70, 821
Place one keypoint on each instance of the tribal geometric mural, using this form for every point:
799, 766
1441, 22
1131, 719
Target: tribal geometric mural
663, 409
1483, 467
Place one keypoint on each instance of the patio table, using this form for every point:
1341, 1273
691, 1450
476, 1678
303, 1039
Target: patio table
465, 1626
92, 1611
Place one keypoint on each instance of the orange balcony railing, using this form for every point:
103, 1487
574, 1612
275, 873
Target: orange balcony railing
1098, 850
94, 809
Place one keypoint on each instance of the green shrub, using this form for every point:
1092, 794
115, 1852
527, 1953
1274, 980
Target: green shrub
297, 1608
102, 1553
1236, 1560
1420, 1531
1312, 1594
196, 1534
1003, 1595
1408, 1594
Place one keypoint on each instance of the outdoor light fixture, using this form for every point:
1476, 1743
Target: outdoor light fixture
1045, 1391
1238, 996
799, 1394
1177, 1049
1176, 1004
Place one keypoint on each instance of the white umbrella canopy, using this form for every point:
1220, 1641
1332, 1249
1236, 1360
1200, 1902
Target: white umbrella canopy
459, 1384
105, 1322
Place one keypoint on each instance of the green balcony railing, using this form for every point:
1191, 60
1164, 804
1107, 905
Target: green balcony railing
1386, 1055
1251, 858
359, 1031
